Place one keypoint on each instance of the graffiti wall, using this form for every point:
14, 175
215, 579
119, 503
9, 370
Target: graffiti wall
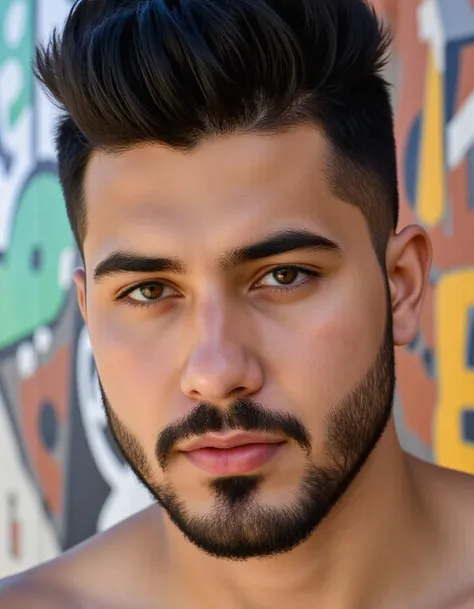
61, 478
433, 75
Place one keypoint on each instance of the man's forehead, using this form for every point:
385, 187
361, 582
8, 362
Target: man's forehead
229, 191
244, 157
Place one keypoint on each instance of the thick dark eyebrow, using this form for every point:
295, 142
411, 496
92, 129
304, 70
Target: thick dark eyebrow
279, 243
120, 262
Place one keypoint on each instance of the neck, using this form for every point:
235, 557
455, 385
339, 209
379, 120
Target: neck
355, 558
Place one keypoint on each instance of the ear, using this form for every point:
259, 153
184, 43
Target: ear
79, 276
409, 255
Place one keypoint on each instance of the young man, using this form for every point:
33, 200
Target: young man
229, 172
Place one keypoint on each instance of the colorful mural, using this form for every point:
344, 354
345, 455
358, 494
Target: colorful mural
62, 479
433, 70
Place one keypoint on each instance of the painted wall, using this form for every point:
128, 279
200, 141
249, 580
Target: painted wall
61, 479
433, 73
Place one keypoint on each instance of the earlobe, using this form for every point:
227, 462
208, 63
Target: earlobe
79, 277
409, 257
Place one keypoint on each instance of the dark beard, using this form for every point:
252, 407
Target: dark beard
239, 527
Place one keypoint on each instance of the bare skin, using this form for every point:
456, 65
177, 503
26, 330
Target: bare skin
400, 537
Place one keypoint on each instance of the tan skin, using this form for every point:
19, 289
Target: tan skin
400, 537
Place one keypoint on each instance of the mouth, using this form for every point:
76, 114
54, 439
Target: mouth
232, 455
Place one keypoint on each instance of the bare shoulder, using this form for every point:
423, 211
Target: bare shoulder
101, 573
450, 490
28, 590
448, 496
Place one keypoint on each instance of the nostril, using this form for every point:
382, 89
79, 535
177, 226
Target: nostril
238, 392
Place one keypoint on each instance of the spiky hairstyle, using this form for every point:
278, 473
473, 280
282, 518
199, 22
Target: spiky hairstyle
178, 71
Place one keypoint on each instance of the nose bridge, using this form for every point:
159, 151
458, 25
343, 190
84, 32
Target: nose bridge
212, 319
220, 362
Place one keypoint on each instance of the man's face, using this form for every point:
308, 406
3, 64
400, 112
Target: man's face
232, 299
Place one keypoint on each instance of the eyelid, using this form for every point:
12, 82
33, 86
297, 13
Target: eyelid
270, 269
313, 272
142, 284
310, 272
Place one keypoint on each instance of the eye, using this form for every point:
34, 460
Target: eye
287, 277
147, 294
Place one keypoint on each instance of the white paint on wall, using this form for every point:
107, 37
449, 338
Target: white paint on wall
37, 541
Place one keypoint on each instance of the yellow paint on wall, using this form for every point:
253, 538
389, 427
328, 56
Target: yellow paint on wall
454, 298
431, 170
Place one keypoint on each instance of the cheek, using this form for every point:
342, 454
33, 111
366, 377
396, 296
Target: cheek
334, 341
135, 369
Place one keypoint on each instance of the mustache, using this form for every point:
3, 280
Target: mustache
242, 415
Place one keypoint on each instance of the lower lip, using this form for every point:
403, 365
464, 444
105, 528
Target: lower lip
233, 461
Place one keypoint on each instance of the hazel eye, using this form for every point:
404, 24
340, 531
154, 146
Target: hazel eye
147, 293
286, 277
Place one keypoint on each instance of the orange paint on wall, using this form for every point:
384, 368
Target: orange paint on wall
50, 385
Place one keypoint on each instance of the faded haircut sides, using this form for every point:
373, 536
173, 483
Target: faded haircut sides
174, 72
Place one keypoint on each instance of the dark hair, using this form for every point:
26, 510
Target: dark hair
177, 71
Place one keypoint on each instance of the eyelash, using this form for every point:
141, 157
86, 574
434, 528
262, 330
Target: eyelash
124, 296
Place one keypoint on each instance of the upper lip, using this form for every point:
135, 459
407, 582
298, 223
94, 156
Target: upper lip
229, 441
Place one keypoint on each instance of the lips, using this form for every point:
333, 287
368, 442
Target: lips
227, 441
236, 454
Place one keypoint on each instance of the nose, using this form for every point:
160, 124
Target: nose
220, 365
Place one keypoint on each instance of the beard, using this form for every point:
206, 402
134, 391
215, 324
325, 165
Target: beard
239, 526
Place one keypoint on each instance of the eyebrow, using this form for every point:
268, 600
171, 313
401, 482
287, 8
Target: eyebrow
121, 262
279, 243
275, 244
